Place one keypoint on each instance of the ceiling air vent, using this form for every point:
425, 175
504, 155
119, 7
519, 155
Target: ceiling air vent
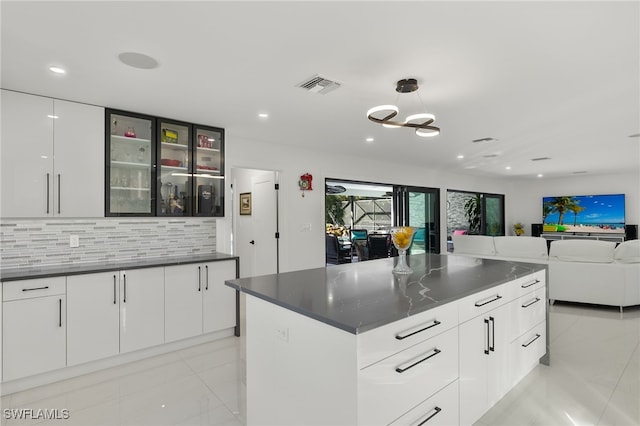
484, 140
318, 84
541, 159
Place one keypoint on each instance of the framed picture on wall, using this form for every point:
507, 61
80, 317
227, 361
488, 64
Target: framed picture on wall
245, 203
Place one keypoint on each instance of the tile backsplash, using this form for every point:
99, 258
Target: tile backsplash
28, 243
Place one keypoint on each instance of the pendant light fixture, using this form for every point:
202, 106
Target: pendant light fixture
421, 122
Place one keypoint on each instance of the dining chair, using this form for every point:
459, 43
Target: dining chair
378, 245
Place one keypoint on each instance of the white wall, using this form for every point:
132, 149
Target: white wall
301, 248
525, 201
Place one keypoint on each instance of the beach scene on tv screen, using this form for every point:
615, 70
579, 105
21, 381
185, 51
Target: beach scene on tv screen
584, 213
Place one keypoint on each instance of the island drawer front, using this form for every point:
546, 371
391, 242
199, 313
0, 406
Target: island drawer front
481, 302
526, 312
525, 352
525, 285
392, 338
441, 409
398, 383
28, 289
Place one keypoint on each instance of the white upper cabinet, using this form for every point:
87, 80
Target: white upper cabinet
52, 157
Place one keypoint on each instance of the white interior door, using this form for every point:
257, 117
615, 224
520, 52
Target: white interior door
265, 250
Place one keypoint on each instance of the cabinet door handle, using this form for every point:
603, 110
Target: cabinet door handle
59, 312
537, 336
124, 285
529, 284
206, 271
36, 288
486, 348
492, 348
535, 300
199, 278
412, 363
114, 289
416, 330
431, 415
47, 193
58, 193
487, 301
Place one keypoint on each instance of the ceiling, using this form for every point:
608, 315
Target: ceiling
544, 79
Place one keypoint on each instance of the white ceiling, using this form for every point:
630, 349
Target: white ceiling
546, 79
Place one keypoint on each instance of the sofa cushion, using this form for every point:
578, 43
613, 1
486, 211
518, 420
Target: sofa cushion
627, 252
521, 247
473, 244
593, 251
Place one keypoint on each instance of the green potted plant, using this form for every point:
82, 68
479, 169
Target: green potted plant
518, 228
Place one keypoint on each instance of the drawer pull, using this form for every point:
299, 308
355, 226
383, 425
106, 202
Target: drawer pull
436, 410
524, 345
36, 288
410, 364
416, 330
535, 300
487, 301
529, 284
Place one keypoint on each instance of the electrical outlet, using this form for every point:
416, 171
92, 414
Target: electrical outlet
283, 333
74, 241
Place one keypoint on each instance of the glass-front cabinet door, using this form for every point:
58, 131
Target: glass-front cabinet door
130, 154
174, 182
208, 172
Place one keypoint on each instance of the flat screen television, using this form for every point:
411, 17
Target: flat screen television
584, 213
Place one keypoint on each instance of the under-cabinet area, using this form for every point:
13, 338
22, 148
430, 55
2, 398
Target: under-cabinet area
54, 322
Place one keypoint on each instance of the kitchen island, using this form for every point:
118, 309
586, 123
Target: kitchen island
356, 345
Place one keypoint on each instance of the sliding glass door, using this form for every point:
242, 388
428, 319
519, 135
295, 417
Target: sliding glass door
419, 207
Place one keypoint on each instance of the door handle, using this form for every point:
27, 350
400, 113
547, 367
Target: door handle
58, 193
486, 350
252, 242
114, 290
47, 193
206, 276
199, 278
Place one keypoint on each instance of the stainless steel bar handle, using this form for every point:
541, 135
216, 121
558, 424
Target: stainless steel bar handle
492, 348
431, 415
114, 290
416, 330
59, 312
537, 336
486, 350
534, 282
487, 301
47, 193
535, 300
199, 278
58, 193
124, 285
412, 363
206, 271
36, 288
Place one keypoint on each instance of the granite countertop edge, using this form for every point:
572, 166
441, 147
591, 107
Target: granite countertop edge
49, 271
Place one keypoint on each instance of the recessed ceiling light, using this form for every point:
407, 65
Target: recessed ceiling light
540, 175
460, 157
508, 167
57, 70
263, 115
52, 116
138, 60
369, 139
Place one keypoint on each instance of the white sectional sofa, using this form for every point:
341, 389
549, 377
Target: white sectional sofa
584, 271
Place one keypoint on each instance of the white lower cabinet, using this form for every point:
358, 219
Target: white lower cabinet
197, 300
219, 300
484, 348
93, 330
34, 327
141, 308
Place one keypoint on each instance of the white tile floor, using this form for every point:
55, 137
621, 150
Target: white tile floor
594, 379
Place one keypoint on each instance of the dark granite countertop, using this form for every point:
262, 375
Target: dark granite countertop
363, 296
15, 274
